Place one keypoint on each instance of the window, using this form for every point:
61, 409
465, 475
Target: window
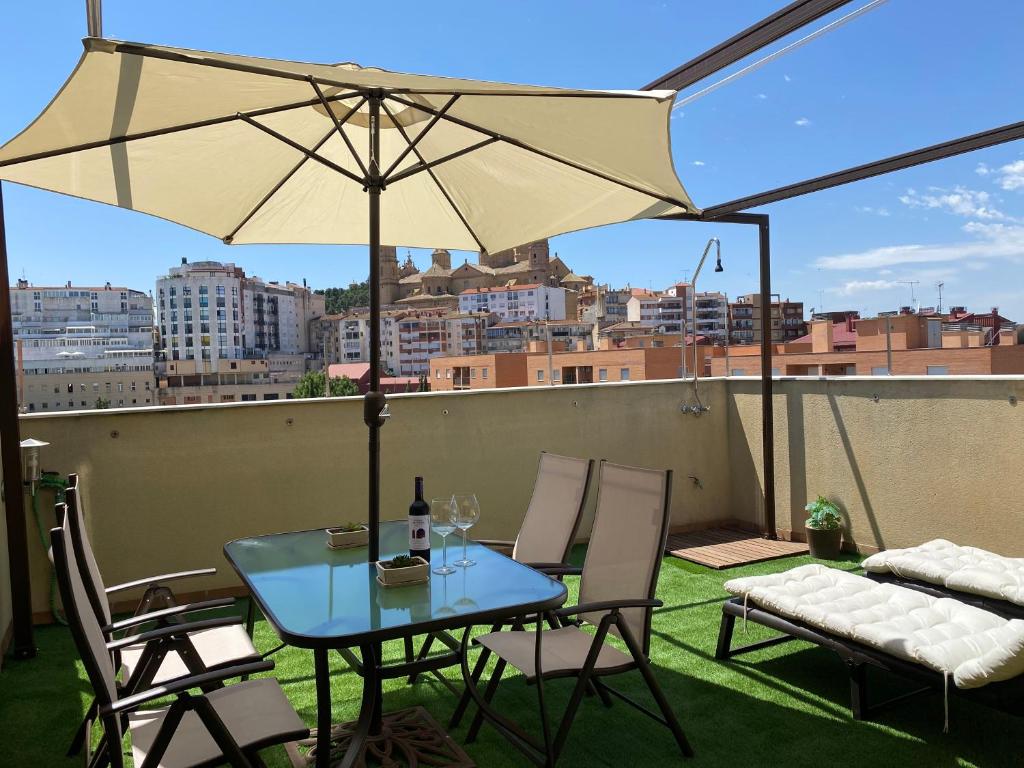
624, 374
472, 373
540, 375
248, 398
879, 371
938, 370
556, 376
485, 372
602, 374
437, 373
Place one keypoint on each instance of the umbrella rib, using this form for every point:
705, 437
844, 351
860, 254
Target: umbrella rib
307, 152
157, 132
412, 145
434, 163
231, 235
548, 155
433, 176
340, 124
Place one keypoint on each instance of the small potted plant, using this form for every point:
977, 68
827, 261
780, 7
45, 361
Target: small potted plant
401, 570
824, 529
348, 535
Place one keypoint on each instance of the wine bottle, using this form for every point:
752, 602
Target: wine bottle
419, 524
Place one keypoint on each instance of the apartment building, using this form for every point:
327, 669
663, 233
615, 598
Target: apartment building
520, 302
82, 347
212, 315
422, 337
711, 316
642, 307
787, 319
516, 336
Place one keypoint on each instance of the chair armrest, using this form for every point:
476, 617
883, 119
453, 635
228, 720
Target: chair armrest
153, 581
133, 702
494, 543
607, 605
174, 610
173, 630
556, 569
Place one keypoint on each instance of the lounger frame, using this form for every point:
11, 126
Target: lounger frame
1003, 608
1006, 696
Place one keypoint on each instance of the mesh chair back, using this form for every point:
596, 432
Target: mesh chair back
553, 517
627, 542
83, 553
85, 628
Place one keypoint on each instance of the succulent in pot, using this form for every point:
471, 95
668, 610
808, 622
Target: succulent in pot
401, 570
348, 535
824, 529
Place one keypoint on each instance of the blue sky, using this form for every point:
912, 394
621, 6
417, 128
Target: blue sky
893, 80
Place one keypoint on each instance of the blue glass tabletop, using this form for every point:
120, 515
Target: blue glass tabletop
320, 597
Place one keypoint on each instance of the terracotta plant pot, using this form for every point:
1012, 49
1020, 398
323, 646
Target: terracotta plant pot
824, 543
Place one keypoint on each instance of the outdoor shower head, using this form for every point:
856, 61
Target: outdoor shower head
718, 259
718, 263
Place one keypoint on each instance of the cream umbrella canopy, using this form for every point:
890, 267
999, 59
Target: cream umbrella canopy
253, 150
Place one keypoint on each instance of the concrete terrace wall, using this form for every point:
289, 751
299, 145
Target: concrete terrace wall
165, 488
933, 457
5, 586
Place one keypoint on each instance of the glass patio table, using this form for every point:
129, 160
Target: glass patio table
321, 598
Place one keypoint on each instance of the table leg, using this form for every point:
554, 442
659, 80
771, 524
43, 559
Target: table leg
323, 708
369, 708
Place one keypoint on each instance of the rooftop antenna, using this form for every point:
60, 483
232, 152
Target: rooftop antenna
940, 285
911, 283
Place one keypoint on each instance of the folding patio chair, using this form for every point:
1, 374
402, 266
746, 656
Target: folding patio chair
226, 725
619, 577
547, 532
156, 662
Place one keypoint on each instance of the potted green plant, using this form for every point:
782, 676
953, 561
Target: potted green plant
348, 535
824, 529
401, 570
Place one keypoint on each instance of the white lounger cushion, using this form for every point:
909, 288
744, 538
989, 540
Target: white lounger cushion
974, 646
965, 569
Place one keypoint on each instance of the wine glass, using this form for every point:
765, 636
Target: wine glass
442, 521
467, 512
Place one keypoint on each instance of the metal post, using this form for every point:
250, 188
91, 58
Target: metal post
10, 454
888, 345
374, 400
94, 17
767, 416
682, 335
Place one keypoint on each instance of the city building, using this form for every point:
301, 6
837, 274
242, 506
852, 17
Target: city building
211, 317
515, 336
531, 301
712, 316
787, 319
82, 347
642, 307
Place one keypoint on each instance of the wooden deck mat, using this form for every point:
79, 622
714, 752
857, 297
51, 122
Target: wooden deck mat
729, 547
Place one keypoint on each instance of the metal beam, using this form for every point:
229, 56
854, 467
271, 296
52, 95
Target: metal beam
10, 455
982, 140
739, 46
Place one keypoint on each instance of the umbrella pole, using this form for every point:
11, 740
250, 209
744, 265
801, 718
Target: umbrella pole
374, 402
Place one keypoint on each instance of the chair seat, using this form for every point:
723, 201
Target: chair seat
562, 650
216, 647
256, 713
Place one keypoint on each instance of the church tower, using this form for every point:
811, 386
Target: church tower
388, 274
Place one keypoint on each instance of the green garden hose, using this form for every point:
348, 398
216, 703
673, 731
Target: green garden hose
58, 484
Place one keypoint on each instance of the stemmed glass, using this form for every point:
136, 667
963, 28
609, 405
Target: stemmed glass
442, 521
467, 512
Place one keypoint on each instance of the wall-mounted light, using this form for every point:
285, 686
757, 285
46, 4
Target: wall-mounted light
31, 468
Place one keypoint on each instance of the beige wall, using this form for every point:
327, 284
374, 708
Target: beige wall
164, 489
933, 457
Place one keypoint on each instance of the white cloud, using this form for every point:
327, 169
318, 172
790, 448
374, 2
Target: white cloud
803, 121
762, 96
698, 162
871, 209
851, 287
992, 241
982, 170
959, 200
787, 78
1011, 176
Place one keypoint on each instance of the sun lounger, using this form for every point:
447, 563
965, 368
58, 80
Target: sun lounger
943, 569
939, 642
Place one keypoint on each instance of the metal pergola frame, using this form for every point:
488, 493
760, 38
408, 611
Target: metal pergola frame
785, 21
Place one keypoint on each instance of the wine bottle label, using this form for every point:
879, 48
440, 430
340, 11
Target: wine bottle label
419, 532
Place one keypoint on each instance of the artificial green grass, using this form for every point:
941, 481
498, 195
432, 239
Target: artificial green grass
786, 705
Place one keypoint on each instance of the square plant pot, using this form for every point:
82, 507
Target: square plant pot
417, 573
338, 538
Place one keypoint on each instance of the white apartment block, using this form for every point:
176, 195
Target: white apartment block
77, 347
518, 302
642, 307
712, 315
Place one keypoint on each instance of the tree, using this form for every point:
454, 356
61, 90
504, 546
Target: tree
312, 385
424, 383
342, 299
102, 402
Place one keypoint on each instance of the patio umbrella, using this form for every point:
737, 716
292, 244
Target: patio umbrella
254, 150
